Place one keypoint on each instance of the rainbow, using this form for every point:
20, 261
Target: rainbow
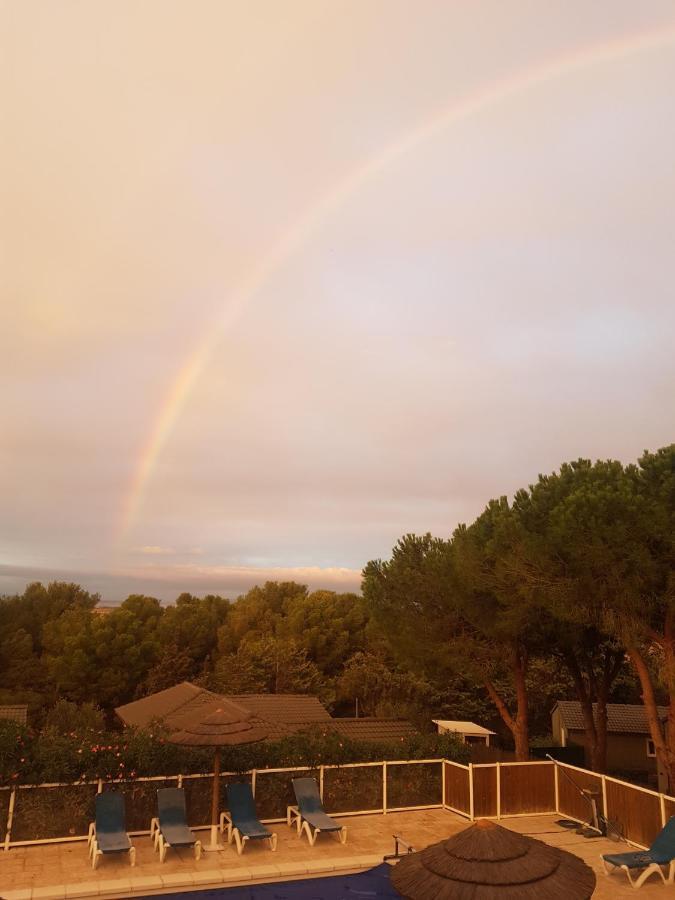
300, 230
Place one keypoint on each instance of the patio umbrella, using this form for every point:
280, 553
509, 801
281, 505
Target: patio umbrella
227, 725
488, 862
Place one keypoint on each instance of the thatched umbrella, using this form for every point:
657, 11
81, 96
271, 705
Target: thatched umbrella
225, 726
488, 862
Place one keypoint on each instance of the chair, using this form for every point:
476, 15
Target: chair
108, 834
170, 828
309, 813
242, 820
661, 853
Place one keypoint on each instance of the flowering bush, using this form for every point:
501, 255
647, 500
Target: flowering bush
28, 757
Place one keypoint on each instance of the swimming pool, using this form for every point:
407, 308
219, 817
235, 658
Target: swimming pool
372, 883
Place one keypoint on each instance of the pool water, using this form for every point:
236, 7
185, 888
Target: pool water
372, 883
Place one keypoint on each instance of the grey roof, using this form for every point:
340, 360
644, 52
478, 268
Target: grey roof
183, 705
292, 709
622, 718
16, 713
373, 729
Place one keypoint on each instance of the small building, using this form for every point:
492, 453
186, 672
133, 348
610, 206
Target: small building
467, 732
630, 749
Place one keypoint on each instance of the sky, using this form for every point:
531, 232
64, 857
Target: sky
283, 281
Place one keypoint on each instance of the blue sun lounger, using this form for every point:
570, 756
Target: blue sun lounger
108, 834
170, 828
242, 819
661, 853
309, 813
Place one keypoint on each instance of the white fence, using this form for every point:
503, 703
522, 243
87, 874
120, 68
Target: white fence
51, 813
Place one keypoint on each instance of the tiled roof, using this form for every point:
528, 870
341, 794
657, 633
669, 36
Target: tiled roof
283, 714
292, 709
622, 718
17, 713
180, 705
373, 729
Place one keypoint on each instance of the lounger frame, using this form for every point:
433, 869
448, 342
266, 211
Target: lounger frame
233, 833
652, 868
160, 843
295, 817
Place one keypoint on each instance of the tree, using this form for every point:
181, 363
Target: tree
257, 613
552, 557
450, 606
330, 627
268, 665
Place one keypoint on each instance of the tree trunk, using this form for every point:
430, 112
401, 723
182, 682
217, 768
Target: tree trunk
586, 701
518, 726
664, 752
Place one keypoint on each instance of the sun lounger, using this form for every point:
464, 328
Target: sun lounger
661, 853
108, 834
242, 819
309, 814
170, 828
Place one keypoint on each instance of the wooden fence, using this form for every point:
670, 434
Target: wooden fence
503, 789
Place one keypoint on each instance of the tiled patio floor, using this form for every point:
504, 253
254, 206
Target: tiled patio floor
58, 871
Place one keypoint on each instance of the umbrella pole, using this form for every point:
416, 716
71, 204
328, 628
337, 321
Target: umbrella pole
215, 803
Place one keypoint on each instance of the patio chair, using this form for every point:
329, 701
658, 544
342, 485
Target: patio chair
170, 828
661, 853
242, 819
309, 813
108, 834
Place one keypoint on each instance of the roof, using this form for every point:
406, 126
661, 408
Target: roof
622, 718
373, 729
183, 704
292, 709
16, 713
462, 727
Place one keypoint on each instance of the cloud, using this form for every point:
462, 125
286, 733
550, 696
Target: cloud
168, 581
154, 550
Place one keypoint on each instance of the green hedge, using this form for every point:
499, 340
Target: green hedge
45, 757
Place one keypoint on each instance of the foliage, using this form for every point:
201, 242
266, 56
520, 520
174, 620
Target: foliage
66, 718
49, 756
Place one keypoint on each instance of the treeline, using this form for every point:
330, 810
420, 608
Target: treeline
278, 638
576, 572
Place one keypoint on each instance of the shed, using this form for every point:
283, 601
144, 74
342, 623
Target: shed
468, 732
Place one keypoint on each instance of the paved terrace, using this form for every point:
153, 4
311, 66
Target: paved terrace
58, 871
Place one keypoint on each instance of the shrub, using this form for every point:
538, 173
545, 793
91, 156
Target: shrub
50, 756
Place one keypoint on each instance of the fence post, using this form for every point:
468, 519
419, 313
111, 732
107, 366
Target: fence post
604, 797
384, 788
99, 788
321, 782
443, 783
557, 787
180, 781
254, 779
10, 816
499, 791
471, 816
662, 801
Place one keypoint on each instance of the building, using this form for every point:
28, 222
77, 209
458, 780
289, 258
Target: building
285, 713
630, 749
468, 732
